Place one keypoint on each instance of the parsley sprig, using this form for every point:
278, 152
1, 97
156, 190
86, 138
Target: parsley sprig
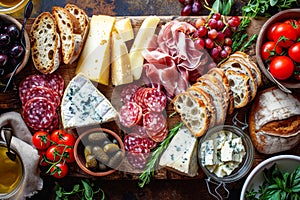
145, 177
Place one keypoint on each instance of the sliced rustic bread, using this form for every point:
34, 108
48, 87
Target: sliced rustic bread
45, 43
244, 69
83, 20
69, 31
197, 92
239, 84
220, 74
193, 113
245, 58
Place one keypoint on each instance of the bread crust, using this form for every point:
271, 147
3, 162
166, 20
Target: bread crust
45, 43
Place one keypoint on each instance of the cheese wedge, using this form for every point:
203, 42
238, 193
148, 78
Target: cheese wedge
181, 154
94, 61
120, 66
124, 28
140, 44
83, 104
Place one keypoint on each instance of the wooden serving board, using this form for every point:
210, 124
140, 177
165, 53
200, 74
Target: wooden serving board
10, 101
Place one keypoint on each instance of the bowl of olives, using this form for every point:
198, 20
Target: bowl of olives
99, 151
12, 52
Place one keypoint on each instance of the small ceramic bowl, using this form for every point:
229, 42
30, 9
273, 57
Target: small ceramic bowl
262, 38
10, 20
285, 163
81, 149
8, 7
242, 168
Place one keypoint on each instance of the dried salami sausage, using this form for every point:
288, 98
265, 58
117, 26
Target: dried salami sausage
130, 114
128, 92
38, 113
137, 160
55, 82
154, 122
29, 82
155, 100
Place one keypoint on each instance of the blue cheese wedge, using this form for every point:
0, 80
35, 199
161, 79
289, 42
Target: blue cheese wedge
83, 104
181, 154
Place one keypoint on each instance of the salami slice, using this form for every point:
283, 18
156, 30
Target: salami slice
140, 130
38, 113
55, 82
154, 122
137, 160
128, 92
130, 114
53, 126
160, 136
132, 140
40, 91
29, 82
155, 100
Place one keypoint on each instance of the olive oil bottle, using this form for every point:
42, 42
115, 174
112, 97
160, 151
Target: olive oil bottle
9, 3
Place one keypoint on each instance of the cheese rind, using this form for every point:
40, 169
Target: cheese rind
140, 44
181, 154
83, 104
94, 61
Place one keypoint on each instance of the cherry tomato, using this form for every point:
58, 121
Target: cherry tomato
282, 67
62, 137
54, 153
41, 140
69, 155
59, 170
268, 49
295, 24
294, 52
286, 31
270, 31
42, 159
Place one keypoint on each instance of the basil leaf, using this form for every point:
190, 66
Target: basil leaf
227, 7
273, 2
217, 6
88, 191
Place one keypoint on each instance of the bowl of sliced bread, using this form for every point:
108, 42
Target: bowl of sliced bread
278, 64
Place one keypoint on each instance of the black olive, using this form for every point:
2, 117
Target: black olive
13, 31
3, 60
4, 39
16, 51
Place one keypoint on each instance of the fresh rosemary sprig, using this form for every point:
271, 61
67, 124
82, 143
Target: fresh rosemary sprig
145, 177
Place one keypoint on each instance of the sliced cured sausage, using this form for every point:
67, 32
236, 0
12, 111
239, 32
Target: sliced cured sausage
29, 82
38, 113
55, 82
130, 114
137, 160
53, 126
155, 100
128, 92
154, 122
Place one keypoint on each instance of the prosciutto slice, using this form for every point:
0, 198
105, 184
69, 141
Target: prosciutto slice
172, 58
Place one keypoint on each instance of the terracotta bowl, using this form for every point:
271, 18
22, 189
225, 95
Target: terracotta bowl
262, 37
83, 141
10, 19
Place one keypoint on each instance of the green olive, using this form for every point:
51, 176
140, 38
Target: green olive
116, 159
111, 148
87, 150
97, 137
91, 162
100, 154
102, 167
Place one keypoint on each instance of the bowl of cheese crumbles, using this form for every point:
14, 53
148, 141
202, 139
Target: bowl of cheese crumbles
225, 153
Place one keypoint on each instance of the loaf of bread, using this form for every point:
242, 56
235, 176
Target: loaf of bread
45, 43
274, 122
70, 33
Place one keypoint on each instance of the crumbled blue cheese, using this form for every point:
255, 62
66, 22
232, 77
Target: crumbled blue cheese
83, 104
181, 154
222, 153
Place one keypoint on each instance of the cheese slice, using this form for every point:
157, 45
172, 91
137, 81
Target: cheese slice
181, 154
120, 62
83, 104
94, 61
124, 28
140, 44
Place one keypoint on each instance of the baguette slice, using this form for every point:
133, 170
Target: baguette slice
239, 84
220, 75
45, 43
193, 113
83, 20
69, 31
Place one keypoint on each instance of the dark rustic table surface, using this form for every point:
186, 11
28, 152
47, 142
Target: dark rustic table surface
173, 188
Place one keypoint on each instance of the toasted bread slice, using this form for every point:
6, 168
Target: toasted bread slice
193, 113
45, 43
69, 31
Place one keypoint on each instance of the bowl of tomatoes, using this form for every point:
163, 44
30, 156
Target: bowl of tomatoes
278, 48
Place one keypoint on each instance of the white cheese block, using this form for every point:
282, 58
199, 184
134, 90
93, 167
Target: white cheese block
140, 44
226, 152
120, 62
94, 61
181, 154
83, 104
124, 28
208, 152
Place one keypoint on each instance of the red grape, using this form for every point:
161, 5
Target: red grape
212, 34
220, 36
181, 1
234, 21
186, 10
202, 31
214, 53
216, 16
200, 22
228, 41
228, 49
209, 44
223, 54
199, 43
220, 25
196, 7
212, 23
228, 32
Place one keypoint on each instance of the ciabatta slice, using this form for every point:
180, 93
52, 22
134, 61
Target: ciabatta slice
239, 84
45, 43
193, 113
69, 31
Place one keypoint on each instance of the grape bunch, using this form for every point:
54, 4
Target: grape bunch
190, 7
11, 51
214, 34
